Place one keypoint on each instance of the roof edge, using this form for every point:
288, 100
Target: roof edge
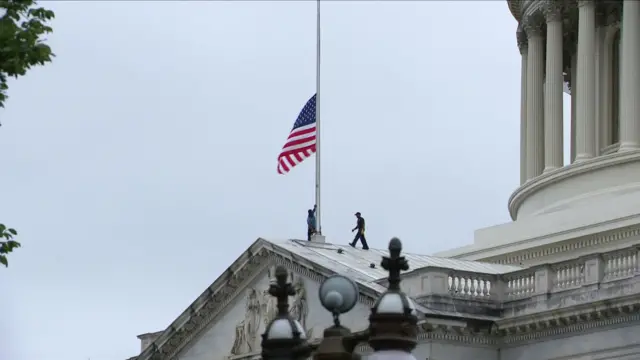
217, 284
149, 334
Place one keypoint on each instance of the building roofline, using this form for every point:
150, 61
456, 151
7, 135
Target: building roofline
149, 334
514, 7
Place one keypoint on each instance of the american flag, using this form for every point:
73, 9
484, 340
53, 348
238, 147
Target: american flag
301, 142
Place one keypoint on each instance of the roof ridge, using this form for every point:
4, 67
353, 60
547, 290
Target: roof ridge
358, 256
304, 244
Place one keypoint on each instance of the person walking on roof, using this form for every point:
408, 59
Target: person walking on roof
311, 222
360, 233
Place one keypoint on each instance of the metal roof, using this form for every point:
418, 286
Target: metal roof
356, 262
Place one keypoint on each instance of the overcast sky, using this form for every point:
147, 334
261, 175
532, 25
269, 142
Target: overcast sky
142, 161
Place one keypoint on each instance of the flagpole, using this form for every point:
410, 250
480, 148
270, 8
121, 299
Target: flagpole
318, 133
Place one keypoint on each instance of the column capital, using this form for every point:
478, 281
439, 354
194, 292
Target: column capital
552, 11
582, 3
533, 26
521, 37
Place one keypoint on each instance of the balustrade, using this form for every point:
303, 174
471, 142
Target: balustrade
562, 276
470, 285
568, 275
620, 264
519, 284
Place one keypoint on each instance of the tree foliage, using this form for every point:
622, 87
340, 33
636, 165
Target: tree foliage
7, 244
23, 26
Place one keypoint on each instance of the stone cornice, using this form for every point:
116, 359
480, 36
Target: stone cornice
570, 325
581, 311
568, 247
534, 328
563, 173
548, 245
514, 7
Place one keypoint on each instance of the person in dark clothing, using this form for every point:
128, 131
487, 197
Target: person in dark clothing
311, 222
360, 233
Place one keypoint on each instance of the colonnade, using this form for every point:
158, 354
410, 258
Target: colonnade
605, 85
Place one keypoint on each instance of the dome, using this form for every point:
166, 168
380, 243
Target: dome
579, 45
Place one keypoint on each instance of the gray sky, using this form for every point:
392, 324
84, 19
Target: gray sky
142, 162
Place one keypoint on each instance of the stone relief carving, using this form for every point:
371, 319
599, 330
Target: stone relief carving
260, 310
300, 306
248, 329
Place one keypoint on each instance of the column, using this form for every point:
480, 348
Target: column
606, 87
553, 91
586, 125
630, 77
522, 46
574, 103
535, 100
598, 83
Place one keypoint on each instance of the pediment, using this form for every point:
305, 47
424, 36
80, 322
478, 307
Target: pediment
236, 332
227, 319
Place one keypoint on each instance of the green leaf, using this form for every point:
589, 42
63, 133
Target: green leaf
23, 27
13, 231
13, 245
3, 260
2, 228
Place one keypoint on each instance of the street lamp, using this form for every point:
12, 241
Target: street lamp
338, 294
393, 323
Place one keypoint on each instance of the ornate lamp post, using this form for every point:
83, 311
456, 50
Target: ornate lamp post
284, 338
393, 323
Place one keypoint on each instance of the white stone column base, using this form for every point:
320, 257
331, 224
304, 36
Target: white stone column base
317, 238
628, 147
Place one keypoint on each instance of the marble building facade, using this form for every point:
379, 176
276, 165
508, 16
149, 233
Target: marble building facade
559, 282
580, 308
